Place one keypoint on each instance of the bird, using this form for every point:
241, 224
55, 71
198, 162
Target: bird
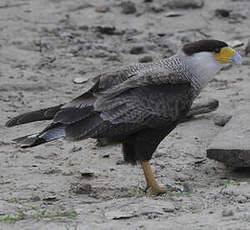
139, 104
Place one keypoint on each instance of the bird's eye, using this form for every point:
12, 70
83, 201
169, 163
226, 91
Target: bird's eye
217, 50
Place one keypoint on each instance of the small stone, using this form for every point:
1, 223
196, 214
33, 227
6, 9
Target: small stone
114, 57
173, 14
183, 4
67, 172
117, 214
221, 119
76, 149
102, 9
82, 188
145, 59
148, 0
156, 8
235, 43
170, 208
137, 50
35, 198
241, 199
109, 30
128, 7
86, 173
227, 212
50, 197
80, 80
222, 13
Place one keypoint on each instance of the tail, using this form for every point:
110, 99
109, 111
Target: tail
74, 123
38, 115
52, 132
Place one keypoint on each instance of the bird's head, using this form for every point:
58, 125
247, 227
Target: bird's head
219, 51
207, 57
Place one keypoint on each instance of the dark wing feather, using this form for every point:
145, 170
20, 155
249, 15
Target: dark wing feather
38, 115
150, 106
151, 77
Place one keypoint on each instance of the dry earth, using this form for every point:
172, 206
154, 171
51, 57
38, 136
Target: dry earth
44, 46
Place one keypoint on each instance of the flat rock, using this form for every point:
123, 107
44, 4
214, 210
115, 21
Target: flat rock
182, 4
232, 145
221, 119
128, 7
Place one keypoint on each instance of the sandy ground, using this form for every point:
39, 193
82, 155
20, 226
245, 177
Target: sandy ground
44, 46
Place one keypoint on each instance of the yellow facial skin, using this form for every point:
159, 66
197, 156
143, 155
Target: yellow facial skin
225, 55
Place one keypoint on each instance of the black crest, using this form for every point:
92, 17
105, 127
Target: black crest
203, 46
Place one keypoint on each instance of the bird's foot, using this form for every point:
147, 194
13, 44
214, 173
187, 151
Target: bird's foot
161, 189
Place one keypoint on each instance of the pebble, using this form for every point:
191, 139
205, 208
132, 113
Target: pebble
222, 13
79, 80
82, 188
128, 7
241, 199
102, 9
137, 50
173, 14
156, 8
49, 197
105, 29
221, 119
86, 173
170, 208
235, 43
117, 214
227, 212
145, 59
183, 4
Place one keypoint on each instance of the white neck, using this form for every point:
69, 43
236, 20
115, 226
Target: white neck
204, 66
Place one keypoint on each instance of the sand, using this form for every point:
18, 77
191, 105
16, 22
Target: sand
48, 45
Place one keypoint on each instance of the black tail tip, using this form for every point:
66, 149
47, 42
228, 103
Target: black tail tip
9, 123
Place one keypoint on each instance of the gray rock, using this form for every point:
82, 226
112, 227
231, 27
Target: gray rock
173, 14
227, 212
79, 80
235, 43
117, 214
81, 188
145, 59
241, 199
128, 7
156, 8
170, 208
232, 145
86, 173
105, 29
137, 50
183, 4
223, 13
221, 119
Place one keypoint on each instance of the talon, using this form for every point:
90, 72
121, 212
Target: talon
153, 188
171, 188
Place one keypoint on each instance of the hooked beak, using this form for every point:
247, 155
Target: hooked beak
236, 58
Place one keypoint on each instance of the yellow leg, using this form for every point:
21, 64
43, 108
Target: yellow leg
152, 186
